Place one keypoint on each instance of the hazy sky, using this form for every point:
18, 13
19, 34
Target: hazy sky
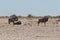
25, 7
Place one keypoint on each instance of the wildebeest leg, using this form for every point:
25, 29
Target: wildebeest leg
9, 21
45, 23
13, 23
38, 23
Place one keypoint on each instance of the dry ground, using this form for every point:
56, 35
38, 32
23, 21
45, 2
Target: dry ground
29, 30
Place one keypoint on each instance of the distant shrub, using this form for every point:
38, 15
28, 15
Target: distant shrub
29, 16
19, 16
13, 16
5, 16
58, 16
48, 16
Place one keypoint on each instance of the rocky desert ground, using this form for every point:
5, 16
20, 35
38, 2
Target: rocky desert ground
29, 30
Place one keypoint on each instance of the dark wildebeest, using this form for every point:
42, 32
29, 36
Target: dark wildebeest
17, 22
12, 19
43, 20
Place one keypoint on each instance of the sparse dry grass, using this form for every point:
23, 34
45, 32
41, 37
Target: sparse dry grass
29, 30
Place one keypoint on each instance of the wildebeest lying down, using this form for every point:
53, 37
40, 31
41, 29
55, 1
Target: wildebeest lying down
17, 22
43, 20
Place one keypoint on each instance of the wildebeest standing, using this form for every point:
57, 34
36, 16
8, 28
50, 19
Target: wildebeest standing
12, 19
43, 20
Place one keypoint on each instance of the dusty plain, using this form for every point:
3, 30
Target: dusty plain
29, 30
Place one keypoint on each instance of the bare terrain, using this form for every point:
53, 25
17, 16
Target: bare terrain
29, 30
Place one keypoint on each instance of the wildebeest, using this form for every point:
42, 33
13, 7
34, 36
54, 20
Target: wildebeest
17, 22
12, 19
43, 20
